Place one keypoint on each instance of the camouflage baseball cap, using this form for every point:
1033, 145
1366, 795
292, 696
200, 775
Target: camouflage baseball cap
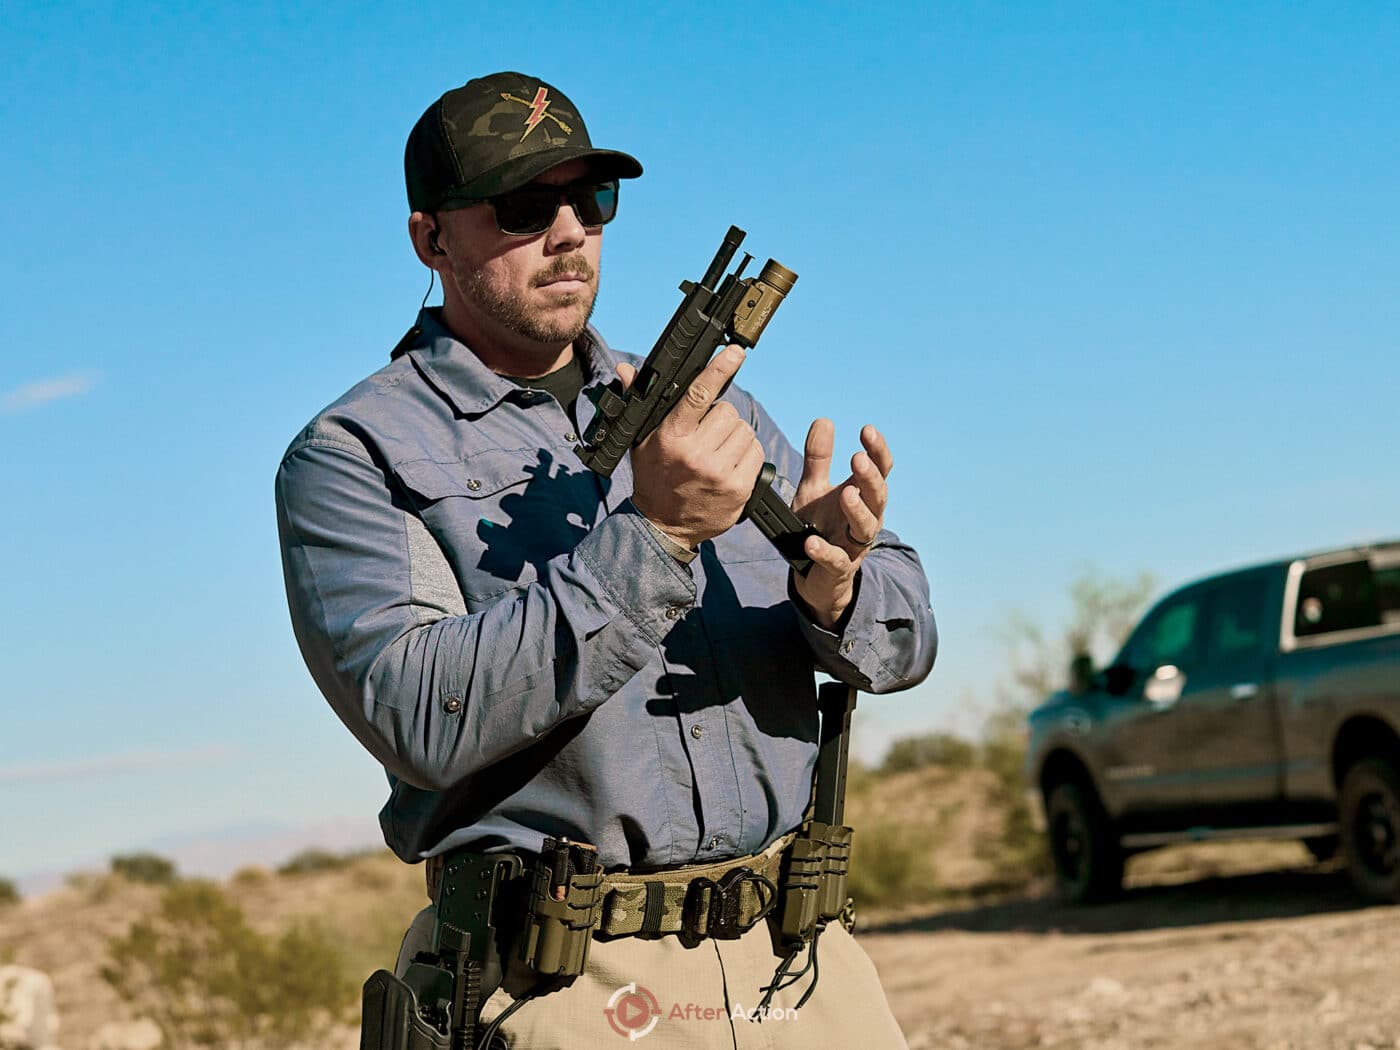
494, 134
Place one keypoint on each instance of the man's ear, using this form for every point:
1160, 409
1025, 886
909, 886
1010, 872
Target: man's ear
423, 231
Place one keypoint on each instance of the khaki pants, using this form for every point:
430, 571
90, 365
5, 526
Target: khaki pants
700, 998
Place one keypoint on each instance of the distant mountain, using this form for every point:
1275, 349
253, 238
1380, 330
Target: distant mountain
222, 851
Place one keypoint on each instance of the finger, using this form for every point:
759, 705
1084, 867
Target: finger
870, 481
816, 461
735, 445
862, 524
720, 421
827, 556
626, 373
706, 388
878, 448
750, 463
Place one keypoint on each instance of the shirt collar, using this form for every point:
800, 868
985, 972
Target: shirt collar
472, 388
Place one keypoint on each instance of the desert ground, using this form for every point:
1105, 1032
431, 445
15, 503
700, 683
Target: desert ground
1229, 947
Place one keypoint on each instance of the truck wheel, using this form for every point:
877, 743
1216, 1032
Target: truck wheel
1323, 848
1088, 860
1369, 807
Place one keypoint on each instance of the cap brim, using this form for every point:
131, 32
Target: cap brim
516, 172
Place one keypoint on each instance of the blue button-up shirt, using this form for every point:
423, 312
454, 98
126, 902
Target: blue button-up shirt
502, 630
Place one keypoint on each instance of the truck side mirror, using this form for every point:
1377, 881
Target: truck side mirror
1081, 673
1118, 679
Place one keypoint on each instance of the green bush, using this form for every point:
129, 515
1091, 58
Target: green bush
208, 979
144, 867
314, 859
1017, 850
9, 892
889, 866
929, 749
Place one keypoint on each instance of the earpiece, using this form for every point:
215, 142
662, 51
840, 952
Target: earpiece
433, 243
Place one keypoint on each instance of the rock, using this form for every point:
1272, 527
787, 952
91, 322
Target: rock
126, 1035
1103, 988
28, 1019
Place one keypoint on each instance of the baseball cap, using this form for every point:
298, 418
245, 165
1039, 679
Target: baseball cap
495, 134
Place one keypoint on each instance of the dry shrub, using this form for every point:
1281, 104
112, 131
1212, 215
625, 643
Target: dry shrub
208, 979
890, 866
95, 887
314, 859
150, 868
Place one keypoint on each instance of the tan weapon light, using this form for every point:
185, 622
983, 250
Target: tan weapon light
765, 293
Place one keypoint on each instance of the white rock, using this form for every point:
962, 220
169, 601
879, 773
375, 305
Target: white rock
28, 1019
1104, 988
126, 1035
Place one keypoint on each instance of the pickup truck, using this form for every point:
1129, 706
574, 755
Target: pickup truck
1258, 703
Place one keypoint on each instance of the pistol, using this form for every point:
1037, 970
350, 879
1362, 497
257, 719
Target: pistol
718, 309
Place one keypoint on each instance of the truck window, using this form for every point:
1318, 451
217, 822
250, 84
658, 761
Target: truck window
1388, 593
1168, 636
1336, 598
1239, 610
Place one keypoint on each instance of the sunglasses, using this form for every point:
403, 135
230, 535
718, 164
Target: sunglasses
532, 209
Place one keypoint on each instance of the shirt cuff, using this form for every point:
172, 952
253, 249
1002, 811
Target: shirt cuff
850, 642
639, 575
674, 548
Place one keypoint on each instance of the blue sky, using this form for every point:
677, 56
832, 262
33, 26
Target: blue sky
1117, 281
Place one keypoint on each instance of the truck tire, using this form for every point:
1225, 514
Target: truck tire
1087, 858
1369, 812
1323, 848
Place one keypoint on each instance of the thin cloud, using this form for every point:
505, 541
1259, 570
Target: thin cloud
42, 391
106, 765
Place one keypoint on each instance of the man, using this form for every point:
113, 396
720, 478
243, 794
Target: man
531, 650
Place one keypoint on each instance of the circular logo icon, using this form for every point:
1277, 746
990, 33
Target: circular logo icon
633, 1011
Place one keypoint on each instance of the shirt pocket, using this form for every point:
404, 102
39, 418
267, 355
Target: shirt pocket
499, 515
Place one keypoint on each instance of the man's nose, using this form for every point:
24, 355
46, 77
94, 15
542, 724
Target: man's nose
566, 233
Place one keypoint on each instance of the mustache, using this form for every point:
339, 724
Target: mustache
564, 266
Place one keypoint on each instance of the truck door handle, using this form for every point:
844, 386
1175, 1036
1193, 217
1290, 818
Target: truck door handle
1244, 691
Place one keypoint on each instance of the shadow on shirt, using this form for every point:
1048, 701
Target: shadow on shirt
546, 518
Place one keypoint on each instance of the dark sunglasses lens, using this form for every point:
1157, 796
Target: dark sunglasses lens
526, 211
595, 205
532, 210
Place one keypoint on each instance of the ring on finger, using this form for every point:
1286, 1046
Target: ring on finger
862, 544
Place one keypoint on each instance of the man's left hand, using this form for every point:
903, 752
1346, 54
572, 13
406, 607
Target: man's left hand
849, 515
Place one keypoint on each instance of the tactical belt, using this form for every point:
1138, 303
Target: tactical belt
701, 900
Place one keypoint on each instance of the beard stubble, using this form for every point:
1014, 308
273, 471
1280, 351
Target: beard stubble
512, 311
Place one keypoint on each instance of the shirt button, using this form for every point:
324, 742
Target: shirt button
452, 705
697, 731
846, 647
571, 436
713, 843
674, 612
474, 484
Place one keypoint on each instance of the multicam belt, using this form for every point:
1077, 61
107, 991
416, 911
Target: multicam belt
720, 900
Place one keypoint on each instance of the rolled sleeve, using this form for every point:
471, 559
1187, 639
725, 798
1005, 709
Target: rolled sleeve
889, 639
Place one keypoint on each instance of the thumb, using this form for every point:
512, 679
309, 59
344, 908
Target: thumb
626, 373
816, 461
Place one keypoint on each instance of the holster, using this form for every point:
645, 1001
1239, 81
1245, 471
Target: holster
490, 907
391, 1019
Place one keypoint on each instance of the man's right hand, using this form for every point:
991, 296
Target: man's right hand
694, 473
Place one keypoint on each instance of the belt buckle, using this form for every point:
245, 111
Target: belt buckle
721, 908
